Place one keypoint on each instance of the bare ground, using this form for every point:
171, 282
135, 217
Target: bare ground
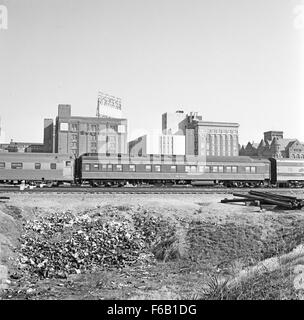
216, 243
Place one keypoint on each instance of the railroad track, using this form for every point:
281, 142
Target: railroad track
145, 190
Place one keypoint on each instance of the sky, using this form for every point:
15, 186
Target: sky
230, 60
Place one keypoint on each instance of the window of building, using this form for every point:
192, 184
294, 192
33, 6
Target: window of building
193, 168
74, 145
214, 169
93, 144
74, 136
119, 167
17, 165
234, 169
94, 137
53, 166
37, 166
2, 165
173, 168
187, 168
201, 168
228, 169
221, 169
86, 167
74, 127
110, 167
148, 167
93, 150
64, 126
157, 168
94, 127
132, 167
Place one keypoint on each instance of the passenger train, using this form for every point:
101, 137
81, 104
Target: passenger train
121, 169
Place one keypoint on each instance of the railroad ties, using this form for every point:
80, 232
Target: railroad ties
267, 200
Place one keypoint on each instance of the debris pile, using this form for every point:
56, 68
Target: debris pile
62, 244
268, 199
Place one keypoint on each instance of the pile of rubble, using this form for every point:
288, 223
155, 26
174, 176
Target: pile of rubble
59, 244
62, 244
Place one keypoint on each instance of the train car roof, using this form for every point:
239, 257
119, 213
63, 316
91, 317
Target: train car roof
239, 159
31, 155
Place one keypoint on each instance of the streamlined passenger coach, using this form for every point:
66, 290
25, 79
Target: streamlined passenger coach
51, 167
99, 168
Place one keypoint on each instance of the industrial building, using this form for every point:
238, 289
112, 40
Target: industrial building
166, 144
274, 145
203, 138
78, 135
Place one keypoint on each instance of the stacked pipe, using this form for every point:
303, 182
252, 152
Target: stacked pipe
282, 201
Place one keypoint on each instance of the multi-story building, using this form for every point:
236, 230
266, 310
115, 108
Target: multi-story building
79, 135
274, 145
174, 123
166, 144
22, 147
207, 138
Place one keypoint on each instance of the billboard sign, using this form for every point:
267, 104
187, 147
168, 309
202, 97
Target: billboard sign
108, 106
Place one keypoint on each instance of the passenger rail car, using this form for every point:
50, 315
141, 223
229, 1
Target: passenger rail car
15, 167
100, 168
287, 172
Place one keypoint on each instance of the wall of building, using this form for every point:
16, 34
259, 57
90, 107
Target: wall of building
212, 139
158, 144
78, 135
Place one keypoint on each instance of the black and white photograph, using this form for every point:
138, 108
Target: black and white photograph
151, 150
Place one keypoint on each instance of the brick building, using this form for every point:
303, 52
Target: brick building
203, 137
78, 135
274, 145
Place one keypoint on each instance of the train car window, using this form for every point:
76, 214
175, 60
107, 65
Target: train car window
207, 169
234, 169
103, 167
228, 169
118, 167
53, 166
157, 168
193, 168
247, 169
187, 168
148, 167
37, 166
253, 169
68, 163
2, 165
221, 169
96, 166
201, 168
173, 168
132, 167
86, 167
17, 165
214, 169
110, 167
